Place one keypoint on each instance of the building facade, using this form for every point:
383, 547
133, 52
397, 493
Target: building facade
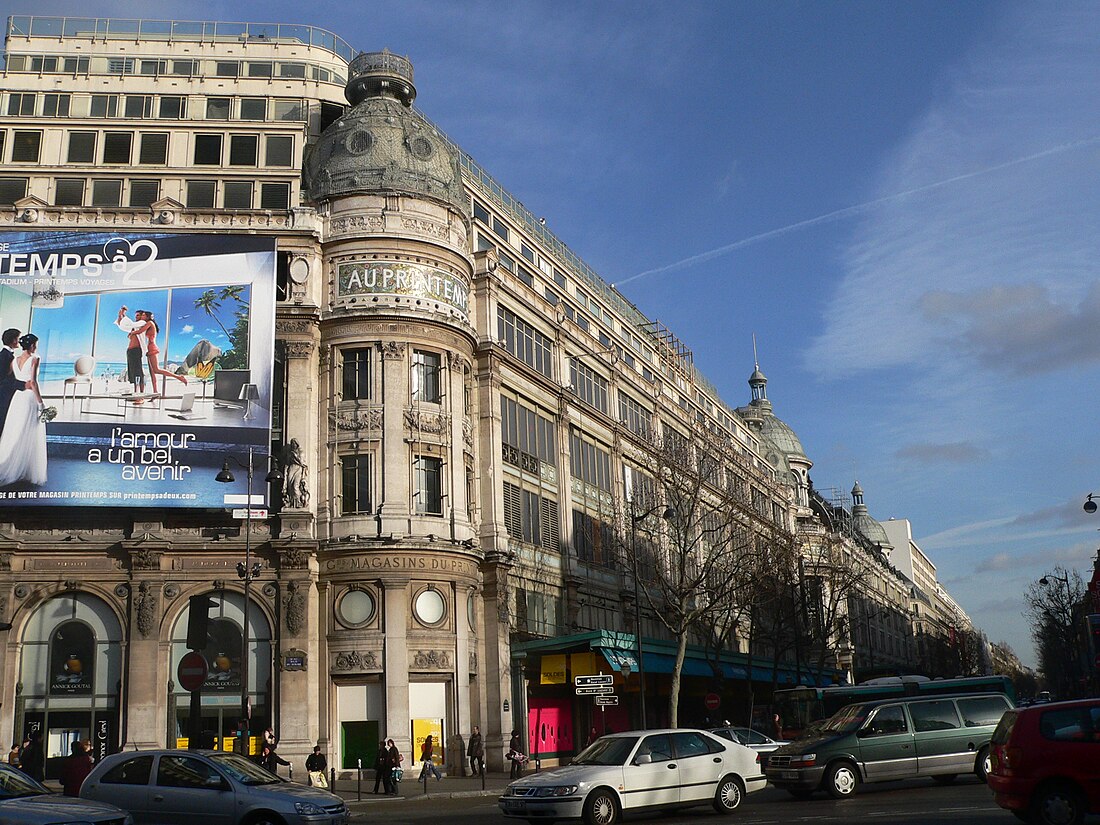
458, 408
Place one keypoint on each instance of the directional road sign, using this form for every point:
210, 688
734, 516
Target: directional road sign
590, 681
607, 700
595, 691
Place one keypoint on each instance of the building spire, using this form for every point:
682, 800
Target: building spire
757, 382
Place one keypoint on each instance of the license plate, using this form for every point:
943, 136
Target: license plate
789, 774
514, 804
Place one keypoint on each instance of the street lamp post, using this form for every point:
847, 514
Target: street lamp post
1067, 623
246, 571
634, 519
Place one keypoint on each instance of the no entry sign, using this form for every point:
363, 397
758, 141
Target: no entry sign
192, 671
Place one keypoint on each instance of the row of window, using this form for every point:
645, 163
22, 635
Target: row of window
141, 193
111, 148
165, 107
173, 67
356, 485
425, 379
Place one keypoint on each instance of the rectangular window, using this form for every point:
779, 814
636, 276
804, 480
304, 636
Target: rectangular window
185, 67
243, 150
428, 472
356, 368
139, 106
530, 517
355, 477
56, 105
25, 147
292, 70
43, 64
81, 147
120, 65
116, 147
593, 539
589, 385
280, 151
528, 436
253, 108
208, 150
173, 107
200, 194
634, 415
12, 189
237, 194
217, 108
227, 68
275, 196
289, 110
69, 192
523, 341
21, 104
500, 228
104, 106
589, 463
144, 193
260, 69
107, 193
527, 252
76, 65
154, 148
153, 67
481, 213
427, 368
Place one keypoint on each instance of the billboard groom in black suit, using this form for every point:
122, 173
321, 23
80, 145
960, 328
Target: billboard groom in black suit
9, 384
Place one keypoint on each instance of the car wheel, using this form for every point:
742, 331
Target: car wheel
1057, 805
944, 778
600, 808
983, 765
728, 795
841, 780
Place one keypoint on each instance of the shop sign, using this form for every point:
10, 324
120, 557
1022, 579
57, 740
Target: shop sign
370, 277
72, 660
553, 670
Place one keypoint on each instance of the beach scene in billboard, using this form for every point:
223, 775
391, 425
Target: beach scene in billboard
132, 366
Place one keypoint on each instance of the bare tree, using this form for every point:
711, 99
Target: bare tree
1056, 605
689, 531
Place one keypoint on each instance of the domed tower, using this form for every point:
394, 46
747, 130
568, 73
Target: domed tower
781, 446
399, 561
863, 521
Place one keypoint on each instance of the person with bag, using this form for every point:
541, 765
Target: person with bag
316, 767
396, 773
426, 763
476, 752
383, 770
515, 756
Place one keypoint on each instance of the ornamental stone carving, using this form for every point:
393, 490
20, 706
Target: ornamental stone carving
354, 660
293, 327
5, 561
431, 659
294, 606
468, 434
293, 558
145, 559
429, 228
425, 422
473, 661
455, 361
298, 349
358, 419
357, 223
324, 357
295, 476
393, 350
146, 609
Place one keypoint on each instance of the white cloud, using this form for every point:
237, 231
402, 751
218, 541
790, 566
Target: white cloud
188, 328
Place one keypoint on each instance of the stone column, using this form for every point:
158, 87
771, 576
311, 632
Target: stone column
395, 455
396, 657
463, 711
298, 716
149, 655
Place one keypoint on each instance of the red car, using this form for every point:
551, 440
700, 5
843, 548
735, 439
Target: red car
1046, 762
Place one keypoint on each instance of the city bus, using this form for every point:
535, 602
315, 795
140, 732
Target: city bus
801, 707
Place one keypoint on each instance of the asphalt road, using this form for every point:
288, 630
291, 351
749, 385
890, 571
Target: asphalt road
917, 802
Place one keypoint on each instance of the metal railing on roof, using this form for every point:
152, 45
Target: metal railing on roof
110, 28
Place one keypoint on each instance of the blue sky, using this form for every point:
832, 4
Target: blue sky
899, 199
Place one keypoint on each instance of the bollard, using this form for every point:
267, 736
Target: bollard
359, 780
332, 778
291, 771
481, 765
424, 775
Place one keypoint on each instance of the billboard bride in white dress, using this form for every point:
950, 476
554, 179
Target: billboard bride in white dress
23, 443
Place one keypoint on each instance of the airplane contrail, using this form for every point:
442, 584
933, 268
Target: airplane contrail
852, 210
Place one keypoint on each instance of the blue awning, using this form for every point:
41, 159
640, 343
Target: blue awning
663, 663
619, 658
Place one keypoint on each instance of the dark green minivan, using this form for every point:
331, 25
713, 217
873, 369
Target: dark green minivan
936, 736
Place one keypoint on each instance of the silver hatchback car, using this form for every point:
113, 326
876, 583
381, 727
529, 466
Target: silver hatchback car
176, 787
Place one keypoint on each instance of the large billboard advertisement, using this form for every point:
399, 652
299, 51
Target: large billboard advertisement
132, 365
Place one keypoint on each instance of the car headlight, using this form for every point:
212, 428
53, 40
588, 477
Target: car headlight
510, 790
806, 760
307, 809
558, 790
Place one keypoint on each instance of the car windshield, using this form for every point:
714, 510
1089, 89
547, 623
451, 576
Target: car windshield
15, 784
607, 751
845, 720
243, 770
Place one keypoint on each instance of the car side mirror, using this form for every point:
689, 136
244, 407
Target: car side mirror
864, 732
215, 783
643, 759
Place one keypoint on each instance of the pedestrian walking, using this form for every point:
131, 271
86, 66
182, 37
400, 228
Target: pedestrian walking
383, 768
269, 737
317, 768
515, 756
396, 758
476, 752
426, 763
271, 761
13, 754
76, 768
32, 760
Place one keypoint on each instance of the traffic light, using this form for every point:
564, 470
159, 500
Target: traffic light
198, 621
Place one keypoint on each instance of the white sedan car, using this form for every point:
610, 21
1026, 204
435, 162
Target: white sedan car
636, 771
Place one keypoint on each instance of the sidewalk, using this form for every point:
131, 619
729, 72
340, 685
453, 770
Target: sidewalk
449, 787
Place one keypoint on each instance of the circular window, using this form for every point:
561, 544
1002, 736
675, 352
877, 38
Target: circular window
429, 607
355, 608
359, 142
421, 147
